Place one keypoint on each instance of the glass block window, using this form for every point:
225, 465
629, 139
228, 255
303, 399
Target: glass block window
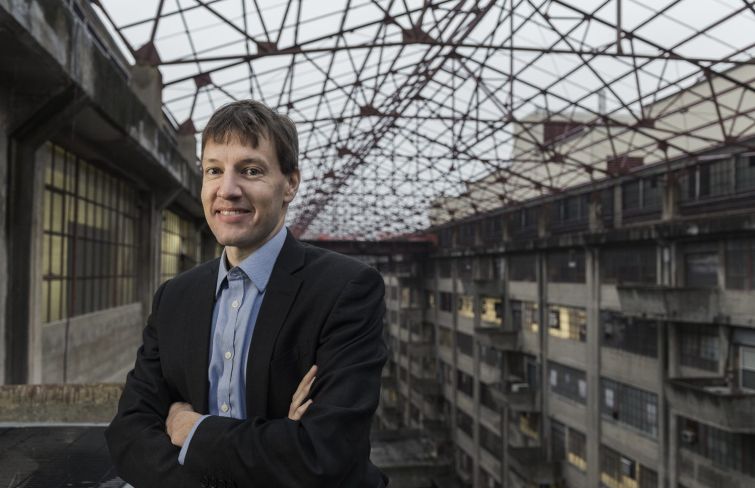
740, 264
629, 265
699, 347
567, 382
179, 247
567, 323
629, 334
566, 266
630, 406
89, 244
726, 450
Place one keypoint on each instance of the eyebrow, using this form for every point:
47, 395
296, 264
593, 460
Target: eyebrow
239, 162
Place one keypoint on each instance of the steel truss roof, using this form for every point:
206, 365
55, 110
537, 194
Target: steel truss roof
412, 108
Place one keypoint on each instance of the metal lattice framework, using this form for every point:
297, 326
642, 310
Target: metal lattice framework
415, 112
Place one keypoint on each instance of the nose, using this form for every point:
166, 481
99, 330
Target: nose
229, 187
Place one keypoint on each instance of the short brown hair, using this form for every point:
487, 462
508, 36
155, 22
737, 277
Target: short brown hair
248, 120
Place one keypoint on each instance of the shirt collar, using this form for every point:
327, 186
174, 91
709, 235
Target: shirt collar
258, 266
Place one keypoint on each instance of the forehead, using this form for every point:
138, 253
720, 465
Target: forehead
235, 148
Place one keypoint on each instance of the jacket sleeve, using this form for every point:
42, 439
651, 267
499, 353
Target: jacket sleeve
139, 446
329, 447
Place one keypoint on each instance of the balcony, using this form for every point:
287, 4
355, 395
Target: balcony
516, 396
426, 386
713, 401
700, 305
503, 340
530, 463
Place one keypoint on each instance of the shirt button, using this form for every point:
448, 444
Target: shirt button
228, 355
224, 407
235, 304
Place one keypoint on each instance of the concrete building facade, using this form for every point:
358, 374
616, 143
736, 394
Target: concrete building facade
602, 336
98, 196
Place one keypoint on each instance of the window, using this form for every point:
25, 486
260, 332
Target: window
487, 480
464, 422
698, 347
567, 382
707, 179
465, 343
445, 337
465, 269
464, 383
524, 315
559, 130
567, 323
566, 266
492, 311
629, 334
747, 372
446, 302
727, 450
740, 264
179, 250
628, 265
430, 299
491, 442
446, 237
486, 397
444, 268
490, 356
90, 238
492, 230
745, 172
701, 269
467, 234
630, 406
570, 210
642, 195
522, 267
558, 440
577, 449
618, 471
623, 164
466, 306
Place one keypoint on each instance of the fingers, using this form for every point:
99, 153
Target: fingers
299, 412
298, 407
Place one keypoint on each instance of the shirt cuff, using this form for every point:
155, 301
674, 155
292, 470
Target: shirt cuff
185, 447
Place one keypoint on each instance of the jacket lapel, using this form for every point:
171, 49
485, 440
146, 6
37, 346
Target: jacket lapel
279, 295
198, 339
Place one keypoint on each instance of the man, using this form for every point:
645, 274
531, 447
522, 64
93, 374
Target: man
223, 392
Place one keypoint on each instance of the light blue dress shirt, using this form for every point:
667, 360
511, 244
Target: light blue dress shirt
239, 293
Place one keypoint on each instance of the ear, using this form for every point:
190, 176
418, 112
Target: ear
292, 185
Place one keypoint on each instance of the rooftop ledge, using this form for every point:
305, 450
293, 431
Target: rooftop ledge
713, 401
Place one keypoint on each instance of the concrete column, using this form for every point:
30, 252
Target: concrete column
663, 415
592, 268
670, 197
147, 83
542, 285
673, 452
4, 271
618, 204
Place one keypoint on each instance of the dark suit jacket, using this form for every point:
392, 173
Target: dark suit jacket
319, 308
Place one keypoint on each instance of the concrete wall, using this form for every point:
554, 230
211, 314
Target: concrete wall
3, 237
101, 346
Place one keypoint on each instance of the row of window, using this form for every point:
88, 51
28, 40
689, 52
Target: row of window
727, 450
636, 265
630, 406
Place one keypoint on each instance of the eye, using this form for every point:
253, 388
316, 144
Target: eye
212, 171
251, 171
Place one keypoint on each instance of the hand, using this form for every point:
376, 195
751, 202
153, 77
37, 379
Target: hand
180, 421
297, 408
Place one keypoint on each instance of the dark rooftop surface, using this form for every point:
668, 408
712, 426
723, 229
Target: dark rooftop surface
55, 456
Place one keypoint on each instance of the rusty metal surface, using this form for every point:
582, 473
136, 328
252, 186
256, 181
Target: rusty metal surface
416, 112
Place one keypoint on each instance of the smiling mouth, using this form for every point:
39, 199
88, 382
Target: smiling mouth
232, 212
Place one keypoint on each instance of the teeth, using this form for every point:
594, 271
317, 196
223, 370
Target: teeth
231, 212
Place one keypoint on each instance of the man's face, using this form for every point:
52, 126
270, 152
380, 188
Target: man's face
244, 194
